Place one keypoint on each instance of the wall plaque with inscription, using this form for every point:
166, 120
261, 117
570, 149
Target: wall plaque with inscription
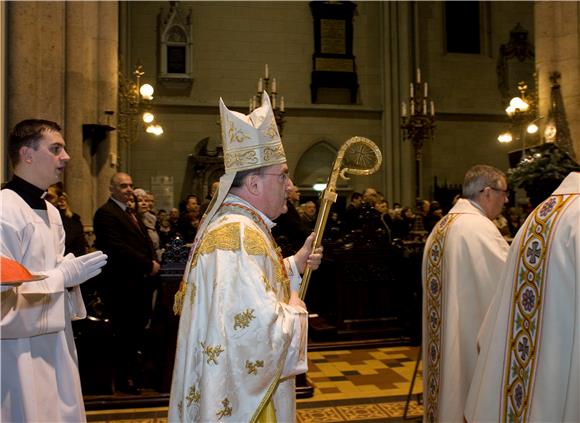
333, 64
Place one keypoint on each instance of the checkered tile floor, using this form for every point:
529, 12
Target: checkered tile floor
359, 385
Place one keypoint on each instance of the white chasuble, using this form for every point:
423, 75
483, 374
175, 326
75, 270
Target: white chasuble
239, 342
529, 365
463, 259
40, 379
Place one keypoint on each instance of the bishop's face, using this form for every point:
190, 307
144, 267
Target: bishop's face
275, 190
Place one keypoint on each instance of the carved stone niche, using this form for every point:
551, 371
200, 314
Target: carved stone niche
175, 51
516, 62
205, 166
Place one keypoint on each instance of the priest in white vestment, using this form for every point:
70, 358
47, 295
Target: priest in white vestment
39, 373
243, 329
463, 259
529, 365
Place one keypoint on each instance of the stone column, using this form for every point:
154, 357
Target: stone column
557, 43
397, 68
91, 78
35, 61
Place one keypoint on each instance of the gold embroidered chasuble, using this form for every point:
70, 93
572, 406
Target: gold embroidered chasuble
462, 261
239, 342
529, 366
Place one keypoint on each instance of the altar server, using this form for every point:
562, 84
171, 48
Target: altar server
39, 374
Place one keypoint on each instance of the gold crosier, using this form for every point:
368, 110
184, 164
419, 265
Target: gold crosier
361, 157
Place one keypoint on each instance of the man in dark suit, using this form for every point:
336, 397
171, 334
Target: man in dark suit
290, 231
125, 280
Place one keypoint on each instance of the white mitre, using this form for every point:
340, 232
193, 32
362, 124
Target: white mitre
249, 142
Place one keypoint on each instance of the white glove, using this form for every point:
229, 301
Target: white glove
76, 270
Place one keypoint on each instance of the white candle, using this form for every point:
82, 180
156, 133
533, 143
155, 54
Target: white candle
411, 90
418, 75
273, 102
254, 102
266, 71
260, 85
432, 108
274, 85
426, 90
412, 108
282, 104
403, 109
251, 104
424, 107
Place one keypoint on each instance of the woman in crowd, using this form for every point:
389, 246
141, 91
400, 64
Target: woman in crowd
148, 219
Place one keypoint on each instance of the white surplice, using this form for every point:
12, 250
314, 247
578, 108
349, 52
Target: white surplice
529, 364
239, 342
40, 379
463, 258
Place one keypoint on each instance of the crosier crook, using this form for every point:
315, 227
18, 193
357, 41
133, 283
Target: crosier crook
367, 158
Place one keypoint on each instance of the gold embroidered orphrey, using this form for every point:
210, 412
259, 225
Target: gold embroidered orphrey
525, 320
434, 301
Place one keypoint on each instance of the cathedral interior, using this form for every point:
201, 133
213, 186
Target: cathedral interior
431, 83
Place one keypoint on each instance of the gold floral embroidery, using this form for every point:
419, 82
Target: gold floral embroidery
212, 352
192, 294
253, 367
226, 410
236, 135
193, 396
280, 278
254, 242
242, 320
274, 152
267, 285
240, 158
272, 130
226, 237
178, 298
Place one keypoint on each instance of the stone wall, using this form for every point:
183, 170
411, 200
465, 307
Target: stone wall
233, 40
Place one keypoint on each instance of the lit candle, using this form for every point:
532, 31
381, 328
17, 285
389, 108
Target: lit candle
403, 109
411, 90
260, 85
274, 85
266, 71
418, 75
282, 104
426, 90
432, 108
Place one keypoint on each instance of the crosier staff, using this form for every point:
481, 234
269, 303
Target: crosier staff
363, 158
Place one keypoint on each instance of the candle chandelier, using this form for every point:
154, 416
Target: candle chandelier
418, 121
278, 105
